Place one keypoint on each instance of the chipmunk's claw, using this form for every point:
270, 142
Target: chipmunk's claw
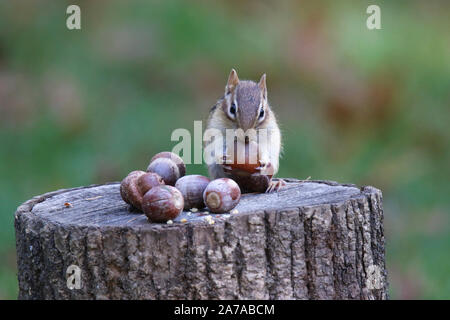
275, 186
265, 168
227, 169
224, 162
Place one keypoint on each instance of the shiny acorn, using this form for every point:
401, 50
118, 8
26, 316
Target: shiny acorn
250, 160
192, 188
162, 203
166, 168
257, 183
129, 190
147, 181
222, 195
174, 157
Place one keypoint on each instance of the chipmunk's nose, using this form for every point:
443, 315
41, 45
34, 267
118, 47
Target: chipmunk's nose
246, 121
246, 125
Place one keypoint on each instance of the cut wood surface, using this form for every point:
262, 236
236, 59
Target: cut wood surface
311, 240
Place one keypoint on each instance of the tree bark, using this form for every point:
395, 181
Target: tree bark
312, 240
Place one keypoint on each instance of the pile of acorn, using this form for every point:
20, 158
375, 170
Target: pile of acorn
164, 190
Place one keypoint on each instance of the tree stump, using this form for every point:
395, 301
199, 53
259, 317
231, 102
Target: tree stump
311, 240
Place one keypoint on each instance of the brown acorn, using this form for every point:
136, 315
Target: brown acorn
257, 183
166, 168
129, 190
174, 157
250, 159
147, 181
192, 187
162, 203
222, 195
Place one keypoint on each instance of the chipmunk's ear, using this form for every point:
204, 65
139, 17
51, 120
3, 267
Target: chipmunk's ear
262, 85
233, 81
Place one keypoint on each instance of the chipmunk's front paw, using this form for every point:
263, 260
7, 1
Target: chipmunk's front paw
265, 168
224, 162
275, 186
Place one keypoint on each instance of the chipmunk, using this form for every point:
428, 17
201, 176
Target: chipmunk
245, 106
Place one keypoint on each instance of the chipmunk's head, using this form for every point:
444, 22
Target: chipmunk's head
245, 102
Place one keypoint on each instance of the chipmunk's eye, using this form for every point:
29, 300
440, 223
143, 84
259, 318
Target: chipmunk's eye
233, 109
261, 114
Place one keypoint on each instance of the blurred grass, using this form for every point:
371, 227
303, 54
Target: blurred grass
368, 107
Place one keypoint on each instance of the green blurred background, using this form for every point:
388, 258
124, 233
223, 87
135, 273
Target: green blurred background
367, 107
